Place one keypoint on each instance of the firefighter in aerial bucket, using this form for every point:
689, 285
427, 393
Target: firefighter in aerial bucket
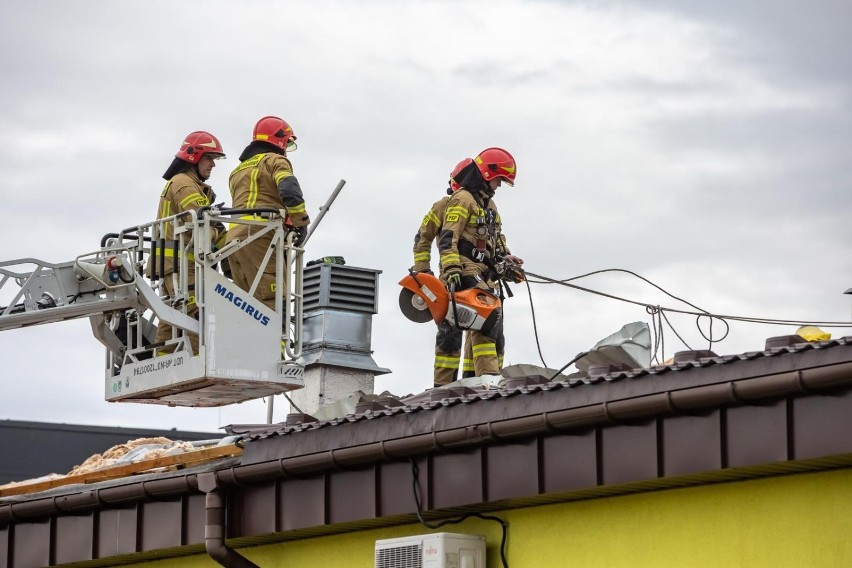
473, 248
448, 339
264, 179
185, 190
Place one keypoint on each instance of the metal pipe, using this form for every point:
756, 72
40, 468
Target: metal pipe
214, 528
323, 210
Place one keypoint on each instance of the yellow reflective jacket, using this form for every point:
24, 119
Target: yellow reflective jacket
429, 229
464, 218
254, 184
184, 192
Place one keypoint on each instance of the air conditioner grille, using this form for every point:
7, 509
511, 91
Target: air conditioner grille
399, 557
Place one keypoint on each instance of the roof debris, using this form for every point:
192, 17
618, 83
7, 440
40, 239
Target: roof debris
143, 455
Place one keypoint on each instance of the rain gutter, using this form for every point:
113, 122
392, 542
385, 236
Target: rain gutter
689, 401
25, 511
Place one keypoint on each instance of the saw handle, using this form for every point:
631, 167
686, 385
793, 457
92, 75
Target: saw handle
455, 307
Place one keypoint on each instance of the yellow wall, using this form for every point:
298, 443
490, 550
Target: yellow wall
802, 520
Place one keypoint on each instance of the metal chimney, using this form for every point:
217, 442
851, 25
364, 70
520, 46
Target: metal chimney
339, 303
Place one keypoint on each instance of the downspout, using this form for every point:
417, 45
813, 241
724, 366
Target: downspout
214, 528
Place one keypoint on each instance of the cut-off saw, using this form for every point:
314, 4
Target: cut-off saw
423, 298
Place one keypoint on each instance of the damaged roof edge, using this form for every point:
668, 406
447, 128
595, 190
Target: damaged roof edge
693, 400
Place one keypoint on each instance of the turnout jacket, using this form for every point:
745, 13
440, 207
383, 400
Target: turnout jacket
267, 180
184, 191
429, 230
471, 236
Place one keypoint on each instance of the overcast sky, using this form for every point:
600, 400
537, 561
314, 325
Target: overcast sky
703, 145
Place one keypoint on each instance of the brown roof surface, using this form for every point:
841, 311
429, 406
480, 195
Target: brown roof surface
689, 369
782, 410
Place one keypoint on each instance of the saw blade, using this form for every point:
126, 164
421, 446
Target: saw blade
414, 307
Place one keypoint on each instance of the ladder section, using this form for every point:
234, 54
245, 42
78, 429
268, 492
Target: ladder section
36, 292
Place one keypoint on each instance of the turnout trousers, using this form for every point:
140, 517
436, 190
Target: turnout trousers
164, 330
448, 344
245, 264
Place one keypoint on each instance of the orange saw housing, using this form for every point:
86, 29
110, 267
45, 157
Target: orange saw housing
424, 295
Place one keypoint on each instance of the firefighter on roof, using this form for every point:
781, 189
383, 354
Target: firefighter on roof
448, 339
265, 178
185, 189
472, 246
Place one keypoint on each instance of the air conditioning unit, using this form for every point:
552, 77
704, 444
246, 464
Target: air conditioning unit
437, 550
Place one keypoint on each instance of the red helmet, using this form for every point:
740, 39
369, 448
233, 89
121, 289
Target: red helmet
198, 143
275, 131
454, 185
496, 162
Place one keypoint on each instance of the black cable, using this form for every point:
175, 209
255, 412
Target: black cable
687, 312
657, 325
654, 310
293, 404
503, 524
682, 340
566, 365
535, 327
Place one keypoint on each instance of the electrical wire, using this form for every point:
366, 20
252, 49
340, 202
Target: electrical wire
504, 525
658, 313
704, 313
293, 404
657, 327
535, 326
568, 364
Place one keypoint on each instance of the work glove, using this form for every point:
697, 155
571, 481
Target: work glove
301, 233
454, 278
219, 241
514, 273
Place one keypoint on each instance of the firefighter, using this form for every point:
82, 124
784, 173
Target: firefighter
263, 179
473, 249
185, 189
448, 339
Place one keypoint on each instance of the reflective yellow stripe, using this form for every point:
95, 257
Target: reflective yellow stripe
484, 350
446, 362
450, 258
296, 209
167, 207
431, 217
170, 253
422, 257
500, 361
462, 211
281, 175
248, 218
194, 197
250, 163
252, 199
467, 365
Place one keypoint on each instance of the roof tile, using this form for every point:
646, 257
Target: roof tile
600, 376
